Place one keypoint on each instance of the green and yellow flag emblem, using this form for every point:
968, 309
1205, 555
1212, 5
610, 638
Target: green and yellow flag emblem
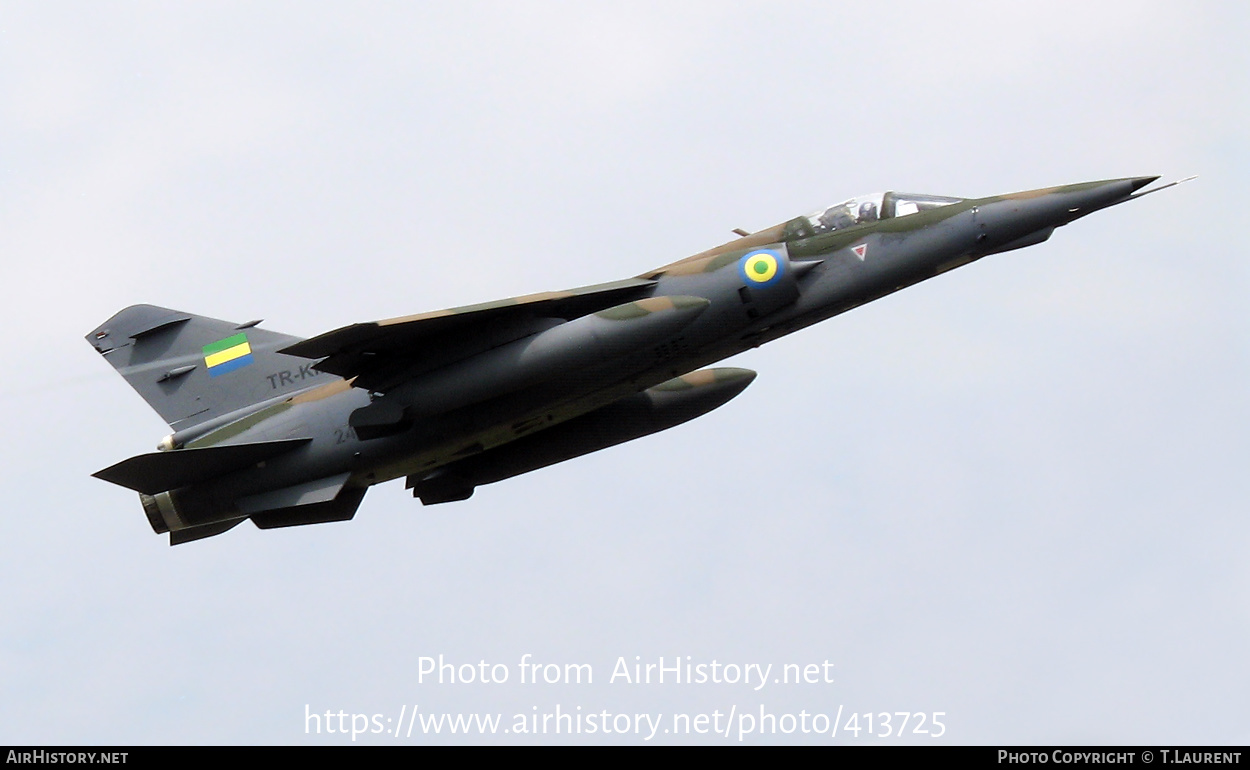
227, 355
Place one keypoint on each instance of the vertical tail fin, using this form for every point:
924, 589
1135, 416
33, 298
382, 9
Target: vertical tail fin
191, 369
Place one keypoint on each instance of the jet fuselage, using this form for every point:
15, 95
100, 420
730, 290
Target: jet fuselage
479, 394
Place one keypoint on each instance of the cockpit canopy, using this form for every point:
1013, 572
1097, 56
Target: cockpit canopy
862, 209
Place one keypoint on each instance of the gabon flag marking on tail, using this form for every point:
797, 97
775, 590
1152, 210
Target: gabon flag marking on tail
227, 355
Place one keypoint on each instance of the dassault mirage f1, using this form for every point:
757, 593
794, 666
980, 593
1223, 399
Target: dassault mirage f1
287, 431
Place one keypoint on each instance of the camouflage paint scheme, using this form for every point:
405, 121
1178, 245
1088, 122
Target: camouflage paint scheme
288, 432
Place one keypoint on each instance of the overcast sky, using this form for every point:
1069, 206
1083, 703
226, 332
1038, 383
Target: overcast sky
1016, 494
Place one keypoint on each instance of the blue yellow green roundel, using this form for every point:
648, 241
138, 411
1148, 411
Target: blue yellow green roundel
761, 267
227, 355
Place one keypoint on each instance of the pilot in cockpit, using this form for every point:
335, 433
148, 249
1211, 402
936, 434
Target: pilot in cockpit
836, 218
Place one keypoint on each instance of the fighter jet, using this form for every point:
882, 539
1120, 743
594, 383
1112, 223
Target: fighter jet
287, 431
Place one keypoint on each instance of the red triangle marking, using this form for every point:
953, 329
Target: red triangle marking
861, 251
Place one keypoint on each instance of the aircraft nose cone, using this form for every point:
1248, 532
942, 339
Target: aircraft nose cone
1082, 199
1036, 212
1054, 206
